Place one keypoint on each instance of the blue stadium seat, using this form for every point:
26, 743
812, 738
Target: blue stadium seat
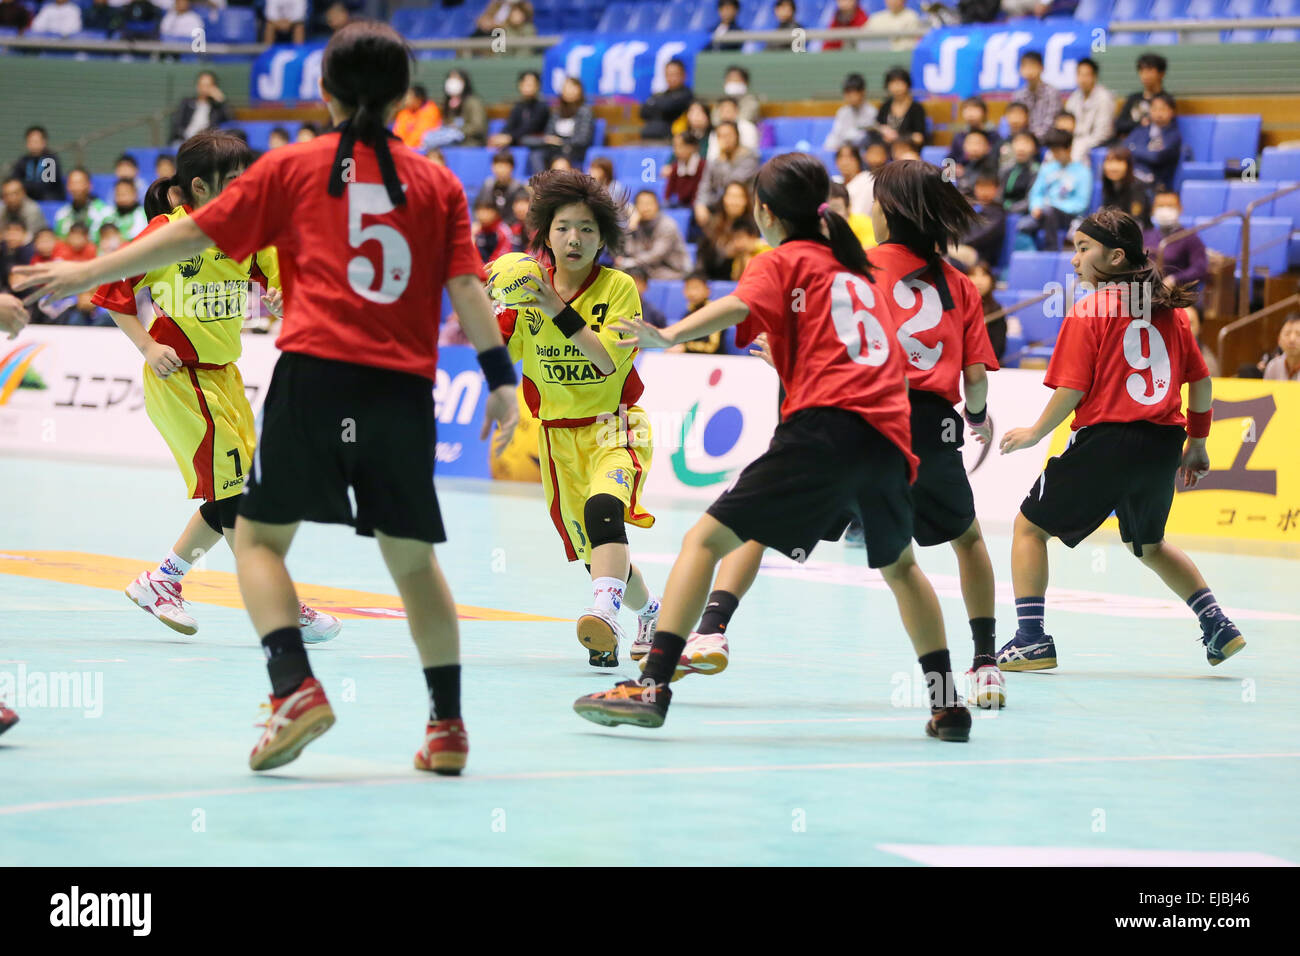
1034, 270
598, 132
934, 155
1239, 9
657, 292
102, 186
1284, 8
1094, 10
1269, 240
1166, 9
1224, 237
1009, 297
496, 126
50, 209
1288, 35
235, 25
1241, 194
1204, 197
414, 23
615, 18
674, 300
1131, 10
787, 130
720, 287
1166, 37
1128, 39
675, 18
470, 164
1036, 325
681, 216
1245, 36
259, 131
1235, 137
1288, 207
704, 16
146, 156
729, 346
1189, 171
819, 127
1008, 244
1204, 10
1197, 132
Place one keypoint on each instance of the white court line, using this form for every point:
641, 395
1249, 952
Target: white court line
416, 777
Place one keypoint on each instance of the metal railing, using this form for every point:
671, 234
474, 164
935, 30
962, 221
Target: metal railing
1012, 310
1246, 321
1244, 288
155, 121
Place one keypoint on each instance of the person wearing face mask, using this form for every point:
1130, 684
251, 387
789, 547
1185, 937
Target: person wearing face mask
735, 84
462, 110
1185, 259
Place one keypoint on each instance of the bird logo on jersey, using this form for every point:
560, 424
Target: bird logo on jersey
618, 476
535, 320
190, 267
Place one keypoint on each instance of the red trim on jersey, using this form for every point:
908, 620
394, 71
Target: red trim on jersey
633, 512
205, 486
532, 397
556, 518
632, 387
570, 422
586, 283
165, 331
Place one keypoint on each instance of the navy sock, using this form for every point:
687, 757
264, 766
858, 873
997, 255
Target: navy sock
1029, 616
981, 632
444, 691
936, 667
662, 660
1206, 609
286, 660
717, 613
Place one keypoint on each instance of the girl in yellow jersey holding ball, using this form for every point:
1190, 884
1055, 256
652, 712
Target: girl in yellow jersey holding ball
595, 444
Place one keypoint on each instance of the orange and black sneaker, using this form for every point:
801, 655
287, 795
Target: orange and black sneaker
293, 723
643, 703
7, 718
446, 747
949, 723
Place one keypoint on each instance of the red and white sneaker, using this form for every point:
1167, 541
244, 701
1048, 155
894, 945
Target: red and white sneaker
161, 597
293, 723
7, 718
317, 627
446, 748
986, 688
703, 654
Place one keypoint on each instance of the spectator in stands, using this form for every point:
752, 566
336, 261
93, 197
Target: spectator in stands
847, 16
900, 116
526, 124
698, 122
1038, 8
337, 16
876, 156
463, 112
1064, 121
560, 162
81, 206
661, 110
837, 198
16, 249
785, 22
286, 21
491, 235
601, 169
974, 115
127, 212
164, 166
985, 238
38, 168
1194, 322
513, 17
1018, 178
1042, 100
125, 167
1157, 146
981, 276
181, 22
276, 138
654, 243
728, 111
685, 172
206, 109
59, 18
46, 247
435, 156
19, 208
100, 15
747, 242
1121, 189
859, 183
109, 238
1093, 107
894, 20
717, 247
417, 117
84, 311
570, 129
1061, 192
855, 117
77, 245
14, 15
1286, 367
520, 236
728, 11
650, 312
696, 290
733, 164
1017, 120
501, 187
735, 83
978, 161
306, 133
1136, 110
903, 149
1186, 261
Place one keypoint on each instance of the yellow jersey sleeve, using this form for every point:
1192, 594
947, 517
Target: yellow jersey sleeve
624, 302
268, 260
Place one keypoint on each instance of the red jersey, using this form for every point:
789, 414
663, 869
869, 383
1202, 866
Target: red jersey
831, 335
937, 343
1130, 370
362, 279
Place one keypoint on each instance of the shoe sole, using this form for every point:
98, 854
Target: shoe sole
989, 699
326, 636
596, 635
1043, 665
306, 729
708, 665
1234, 645
952, 735
612, 717
4, 727
446, 764
602, 659
187, 629
638, 655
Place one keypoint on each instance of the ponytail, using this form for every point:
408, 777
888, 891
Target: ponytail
158, 198
794, 186
1113, 229
844, 243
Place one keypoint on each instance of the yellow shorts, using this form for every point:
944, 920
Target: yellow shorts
204, 416
610, 458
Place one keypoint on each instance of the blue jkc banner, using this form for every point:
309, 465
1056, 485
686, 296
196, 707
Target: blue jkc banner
963, 61
624, 64
287, 73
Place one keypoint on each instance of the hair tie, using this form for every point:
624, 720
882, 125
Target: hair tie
821, 210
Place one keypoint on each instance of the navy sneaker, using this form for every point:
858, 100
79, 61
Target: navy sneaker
1023, 653
1221, 640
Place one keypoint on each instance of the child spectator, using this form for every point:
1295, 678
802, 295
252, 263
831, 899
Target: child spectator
1136, 110
1018, 178
501, 187
77, 246
164, 166
978, 160
1017, 120
685, 173
982, 278
859, 183
277, 137
650, 312
837, 198
306, 133
491, 236
1093, 108
418, 116
847, 16
974, 115
1061, 192
81, 206
1121, 189
46, 247
127, 213
876, 156
985, 239
1286, 367
1065, 122
109, 238
85, 312
854, 117
519, 228
696, 290
785, 21
728, 10
125, 167
1157, 146
38, 168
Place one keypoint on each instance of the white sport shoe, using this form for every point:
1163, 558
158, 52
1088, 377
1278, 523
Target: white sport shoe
162, 598
317, 626
600, 634
704, 654
647, 621
986, 687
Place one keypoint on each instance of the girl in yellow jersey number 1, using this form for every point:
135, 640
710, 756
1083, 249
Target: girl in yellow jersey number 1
595, 442
193, 392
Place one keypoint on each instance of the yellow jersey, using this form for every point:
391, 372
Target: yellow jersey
561, 386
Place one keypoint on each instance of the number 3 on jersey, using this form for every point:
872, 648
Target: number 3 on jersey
860, 331
371, 199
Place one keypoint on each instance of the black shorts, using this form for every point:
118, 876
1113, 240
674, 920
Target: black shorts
822, 464
1125, 467
943, 505
328, 427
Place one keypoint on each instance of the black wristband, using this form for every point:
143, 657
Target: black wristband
497, 367
975, 419
569, 322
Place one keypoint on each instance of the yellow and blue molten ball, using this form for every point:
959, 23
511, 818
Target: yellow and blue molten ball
508, 277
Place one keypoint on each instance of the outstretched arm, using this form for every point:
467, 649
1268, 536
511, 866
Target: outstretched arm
714, 317
1063, 402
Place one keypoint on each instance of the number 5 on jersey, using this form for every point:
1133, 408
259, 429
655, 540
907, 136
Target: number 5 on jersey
371, 199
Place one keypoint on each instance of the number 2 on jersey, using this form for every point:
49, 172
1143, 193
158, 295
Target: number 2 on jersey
928, 315
860, 331
394, 251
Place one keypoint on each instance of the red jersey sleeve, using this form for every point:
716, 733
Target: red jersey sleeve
120, 296
250, 213
762, 290
462, 255
976, 347
1075, 357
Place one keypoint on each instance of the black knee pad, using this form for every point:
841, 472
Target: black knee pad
211, 511
603, 516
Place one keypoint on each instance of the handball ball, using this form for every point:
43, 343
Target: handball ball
507, 277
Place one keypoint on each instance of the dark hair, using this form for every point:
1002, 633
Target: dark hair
1153, 60
1031, 56
1112, 193
689, 138
975, 101
1166, 191
313, 128
485, 200
202, 73
977, 131
898, 73
36, 129
1017, 105
566, 109
856, 154
603, 163
1089, 61
1032, 138
794, 188
646, 192
556, 188
923, 211
747, 226
421, 91
13, 179
837, 191
1142, 268
126, 158
108, 225
210, 156
78, 225
735, 68
281, 130
79, 169
366, 66
533, 73
170, 157
696, 276
469, 84
728, 3
127, 180
1164, 97
1058, 139
854, 83
1061, 113
735, 128
503, 156
728, 99
637, 273
41, 230
676, 61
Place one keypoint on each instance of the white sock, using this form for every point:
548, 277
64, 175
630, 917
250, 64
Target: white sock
608, 594
650, 607
173, 568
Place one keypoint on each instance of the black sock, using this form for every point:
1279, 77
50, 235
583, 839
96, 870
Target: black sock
662, 660
981, 632
286, 660
444, 691
936, 667
717, 613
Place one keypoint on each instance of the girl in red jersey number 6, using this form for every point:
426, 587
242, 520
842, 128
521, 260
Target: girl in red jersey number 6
369, 232
1120, 362
843, 445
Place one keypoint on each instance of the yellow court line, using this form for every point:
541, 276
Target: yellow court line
220, 587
